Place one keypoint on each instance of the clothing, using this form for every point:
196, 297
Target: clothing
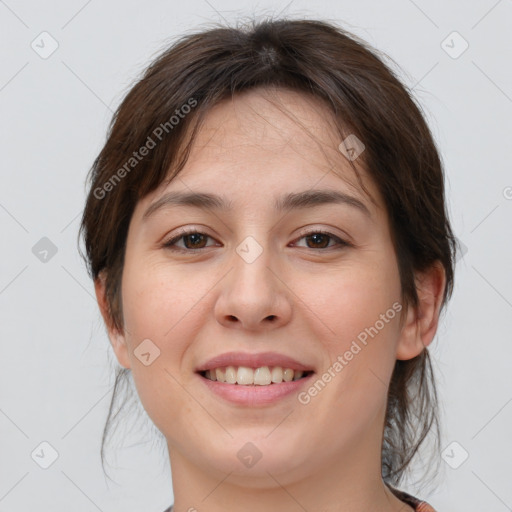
415, 503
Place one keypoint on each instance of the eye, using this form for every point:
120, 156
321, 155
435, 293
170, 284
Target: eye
195, 240
319, 237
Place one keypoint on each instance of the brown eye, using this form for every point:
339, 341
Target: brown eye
192, 240
195, 240
320, 240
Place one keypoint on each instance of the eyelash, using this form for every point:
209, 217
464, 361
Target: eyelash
170, 243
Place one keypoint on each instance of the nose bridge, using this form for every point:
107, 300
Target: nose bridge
252, 293
252, 263
253, 231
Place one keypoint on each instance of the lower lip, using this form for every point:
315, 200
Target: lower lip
255, 395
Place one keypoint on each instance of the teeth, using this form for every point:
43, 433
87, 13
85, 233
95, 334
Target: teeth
277, 374
288, 375
245, 376
230, 376
262, 376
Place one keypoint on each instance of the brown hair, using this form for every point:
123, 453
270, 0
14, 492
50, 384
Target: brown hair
367, 99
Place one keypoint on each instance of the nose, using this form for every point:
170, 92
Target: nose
254, 294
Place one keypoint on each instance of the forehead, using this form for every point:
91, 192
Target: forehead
271, 123
264, 141
269, 115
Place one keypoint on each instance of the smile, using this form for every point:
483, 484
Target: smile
262, 376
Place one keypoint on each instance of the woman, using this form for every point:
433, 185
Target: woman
267, 233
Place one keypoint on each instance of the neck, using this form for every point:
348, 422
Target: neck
350, 481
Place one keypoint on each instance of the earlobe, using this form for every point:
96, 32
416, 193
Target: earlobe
422, 321
117, 338
118, 342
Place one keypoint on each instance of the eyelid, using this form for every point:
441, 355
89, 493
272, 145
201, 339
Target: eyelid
345, 239
184, 231
341, 241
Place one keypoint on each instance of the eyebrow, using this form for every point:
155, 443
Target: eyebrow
290, 201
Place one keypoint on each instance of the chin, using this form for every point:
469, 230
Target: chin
251, 462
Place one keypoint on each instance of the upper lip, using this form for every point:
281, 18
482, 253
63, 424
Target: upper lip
253, 361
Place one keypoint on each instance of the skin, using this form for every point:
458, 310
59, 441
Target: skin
324, 455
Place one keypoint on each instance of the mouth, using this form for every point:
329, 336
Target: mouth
261, 376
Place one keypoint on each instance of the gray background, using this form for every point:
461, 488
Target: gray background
56, 366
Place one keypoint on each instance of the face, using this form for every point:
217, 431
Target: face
316, 282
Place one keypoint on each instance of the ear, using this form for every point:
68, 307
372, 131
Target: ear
421, 323
117, 339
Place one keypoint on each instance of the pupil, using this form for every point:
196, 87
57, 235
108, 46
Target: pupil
315, 237
193, 237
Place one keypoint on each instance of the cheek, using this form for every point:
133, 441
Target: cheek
169, 308
159, 307
356, 312
348, 300
156, 299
